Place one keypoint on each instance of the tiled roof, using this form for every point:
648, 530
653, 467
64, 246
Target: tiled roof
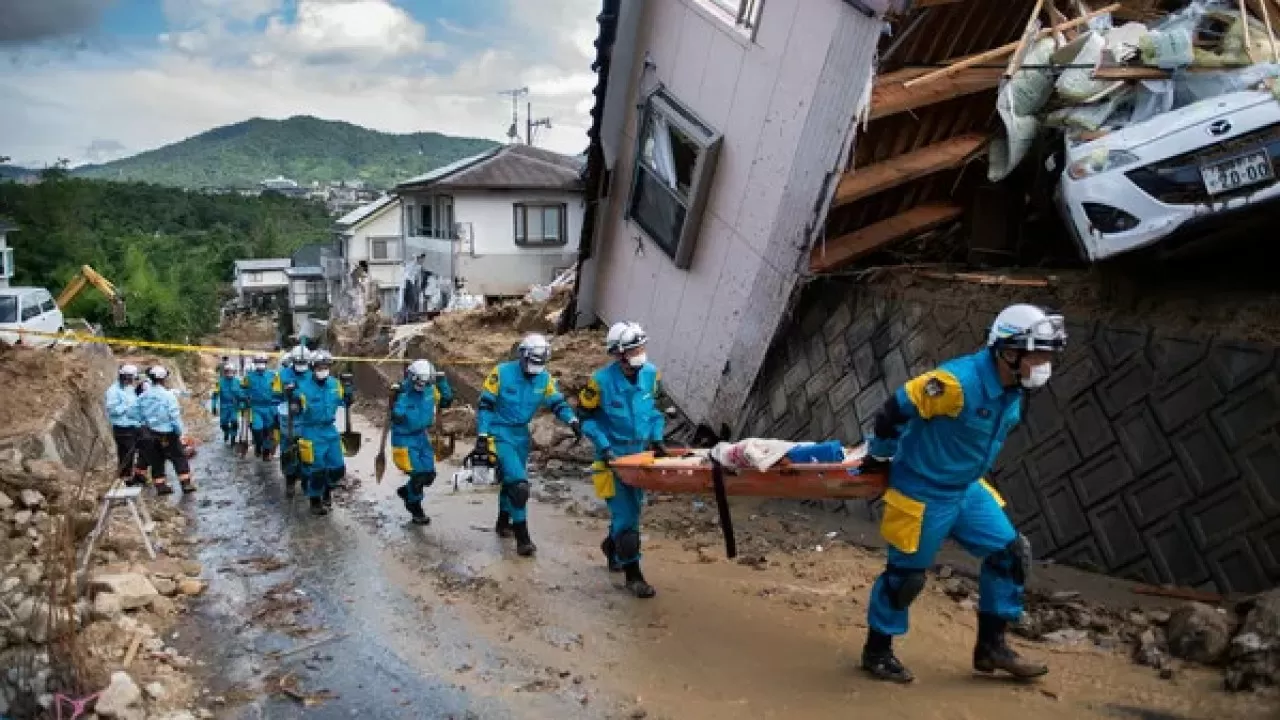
508, 167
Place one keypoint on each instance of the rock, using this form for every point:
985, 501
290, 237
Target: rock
8, 585
956, 588
191, 568
1159, 617
133, 589
25, 610
5, 502
1067, 636
1254, 655
166, 568
31, 499
156, 691
163, 606
22, 517
121, 699
1150, 650
190, 586
945, 572
1199, 633
107, 606
48, 472
165, 586
176, 715
31, 574
204, 713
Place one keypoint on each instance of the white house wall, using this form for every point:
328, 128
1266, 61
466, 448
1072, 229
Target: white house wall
801, 79
384, 224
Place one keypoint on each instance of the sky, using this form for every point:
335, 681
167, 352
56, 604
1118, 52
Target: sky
95, 80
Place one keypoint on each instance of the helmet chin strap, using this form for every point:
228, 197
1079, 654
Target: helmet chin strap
1015, 366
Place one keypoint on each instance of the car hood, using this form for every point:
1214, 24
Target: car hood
1165, 125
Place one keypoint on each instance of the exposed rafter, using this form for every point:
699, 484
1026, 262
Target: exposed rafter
890, 96
930, 159
845, 249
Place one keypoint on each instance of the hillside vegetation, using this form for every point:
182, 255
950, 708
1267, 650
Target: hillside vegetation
302, 148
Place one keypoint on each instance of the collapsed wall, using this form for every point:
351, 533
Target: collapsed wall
1154, 454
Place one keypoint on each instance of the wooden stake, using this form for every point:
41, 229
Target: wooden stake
132, 651
994, 53
1271, 35
1244, 28
1015, 62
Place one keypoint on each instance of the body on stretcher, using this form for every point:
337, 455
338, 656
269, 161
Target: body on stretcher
692, 471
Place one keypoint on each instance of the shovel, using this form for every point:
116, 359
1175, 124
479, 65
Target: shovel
350, 440
380, 462
242, 437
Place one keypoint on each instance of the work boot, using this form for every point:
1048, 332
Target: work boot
993, 653
317, 507
503, 528
187, 485
290, 486
328, 498
419, 516
636, 583
163, 488
879, 661
524, 544
610, 557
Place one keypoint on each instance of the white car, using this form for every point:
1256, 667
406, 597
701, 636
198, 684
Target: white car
1177, 177
28, 308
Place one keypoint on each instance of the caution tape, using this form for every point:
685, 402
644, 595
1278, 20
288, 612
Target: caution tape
81, 337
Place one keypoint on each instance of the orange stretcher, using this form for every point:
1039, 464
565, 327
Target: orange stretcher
683, 472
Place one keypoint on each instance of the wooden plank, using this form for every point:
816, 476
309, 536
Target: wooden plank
1015, 59
847, 248
890, 95
994, 53
863, 182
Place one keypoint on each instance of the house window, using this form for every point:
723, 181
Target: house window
6, 263
384, 248
435, 217
676, 157
540, 223
255, 277
742, 14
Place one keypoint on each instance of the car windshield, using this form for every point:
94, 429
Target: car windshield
8, 308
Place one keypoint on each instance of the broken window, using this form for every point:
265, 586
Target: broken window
540, 223
675, 160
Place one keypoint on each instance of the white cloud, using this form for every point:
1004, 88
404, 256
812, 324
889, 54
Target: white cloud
188, 13
458, 29
362, 61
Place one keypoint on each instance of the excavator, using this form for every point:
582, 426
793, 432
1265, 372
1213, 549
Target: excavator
89, 276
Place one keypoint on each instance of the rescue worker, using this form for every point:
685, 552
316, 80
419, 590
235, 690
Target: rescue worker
259, 397
412, 417
942, 432
163, 419
314, 402
126, 424
294, 366
512, 394
226, 402
621, 417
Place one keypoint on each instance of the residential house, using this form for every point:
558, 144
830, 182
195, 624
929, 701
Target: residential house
309, 294
495, 223
258, 280
6, 253
720, 132
369, 239
283, 186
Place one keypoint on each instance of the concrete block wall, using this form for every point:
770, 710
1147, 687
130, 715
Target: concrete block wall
1154, 454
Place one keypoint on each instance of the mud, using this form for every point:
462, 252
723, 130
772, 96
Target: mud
446, 621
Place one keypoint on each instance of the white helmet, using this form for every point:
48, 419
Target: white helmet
229, 367
421, 373
158, 373
261, 359
322, 357
534, 353
1027, 328
298, 356
129, 370
624, 336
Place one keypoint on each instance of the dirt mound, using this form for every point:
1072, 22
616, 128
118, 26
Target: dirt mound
254, 331
39, 382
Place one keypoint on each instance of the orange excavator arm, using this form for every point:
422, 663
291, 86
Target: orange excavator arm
89, 276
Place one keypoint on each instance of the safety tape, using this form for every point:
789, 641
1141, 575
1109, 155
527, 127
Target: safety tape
81, 337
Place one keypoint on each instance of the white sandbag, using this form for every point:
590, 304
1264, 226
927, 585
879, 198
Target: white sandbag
1077, 84
1032, 86
1004, 154
758, 453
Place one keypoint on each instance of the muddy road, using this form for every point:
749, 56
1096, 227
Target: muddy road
360, 614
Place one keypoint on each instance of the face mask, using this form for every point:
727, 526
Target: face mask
1039, 376
534, 368
637, 361
300, 367
322, 374
419, 385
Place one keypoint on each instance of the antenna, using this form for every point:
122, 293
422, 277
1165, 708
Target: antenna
530, 124
513, 134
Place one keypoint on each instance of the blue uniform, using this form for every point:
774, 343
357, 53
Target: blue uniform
260, 394
160, 411
290, 466
621, 417
955, 421
227, 403
509, 400
412, 417
162, 418
319, 445
122, 406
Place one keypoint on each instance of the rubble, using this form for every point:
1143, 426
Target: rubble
1200, 633
121, 699
133, 590
1254, 654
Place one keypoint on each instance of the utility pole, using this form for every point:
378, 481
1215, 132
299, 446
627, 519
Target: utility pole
530, 124
513, 132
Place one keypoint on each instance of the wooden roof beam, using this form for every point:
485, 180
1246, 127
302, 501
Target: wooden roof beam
946, 155
859, 243
890, 96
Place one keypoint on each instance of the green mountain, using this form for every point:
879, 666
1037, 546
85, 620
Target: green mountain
302, 148
9, 172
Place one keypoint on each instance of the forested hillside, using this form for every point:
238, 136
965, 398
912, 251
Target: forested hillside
169, 250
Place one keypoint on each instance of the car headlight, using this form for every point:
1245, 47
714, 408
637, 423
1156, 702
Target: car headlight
1100, 161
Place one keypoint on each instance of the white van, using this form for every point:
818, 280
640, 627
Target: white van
28, 308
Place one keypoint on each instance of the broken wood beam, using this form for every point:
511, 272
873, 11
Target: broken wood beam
987, 279
1015, 60
890, 95
946, 155
994, 53
859, 243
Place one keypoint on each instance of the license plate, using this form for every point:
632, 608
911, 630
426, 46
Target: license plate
1237, 172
